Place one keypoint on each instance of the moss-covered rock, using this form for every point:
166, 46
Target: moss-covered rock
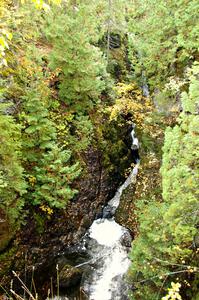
69, 276
6, 232
124, 213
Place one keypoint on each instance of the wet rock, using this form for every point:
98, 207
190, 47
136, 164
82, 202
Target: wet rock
126, 239
122, 215
77, 249
99, 215
69, 276
122, 288
108, 212
66, 227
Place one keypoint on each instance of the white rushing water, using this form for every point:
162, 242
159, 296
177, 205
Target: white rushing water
115, 262
109, 245
110, 252
115, 201
135, 142
102, 231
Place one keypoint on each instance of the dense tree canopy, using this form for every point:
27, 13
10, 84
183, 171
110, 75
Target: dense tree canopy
168, 229
61, 63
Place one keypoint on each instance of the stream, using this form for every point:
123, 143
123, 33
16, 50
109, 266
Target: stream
107, 245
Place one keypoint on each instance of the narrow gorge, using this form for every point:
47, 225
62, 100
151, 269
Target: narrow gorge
99, 150
106, 246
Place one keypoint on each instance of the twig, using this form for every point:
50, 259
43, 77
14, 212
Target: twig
5, 291
163, 275
23, 285
51, 286
26, 255
16, 295
57, 268
29, 293
34, 287
173, 264
161, 287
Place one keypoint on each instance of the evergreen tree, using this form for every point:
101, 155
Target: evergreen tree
53, 177
80, 64
163, 38
12, 184
39, 131
166, 247
49, 171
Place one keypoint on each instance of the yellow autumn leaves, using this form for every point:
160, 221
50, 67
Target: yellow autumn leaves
5, 38
130, 100
46, 209
6, 35
40, 4
173, 292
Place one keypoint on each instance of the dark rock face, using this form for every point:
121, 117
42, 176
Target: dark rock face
6, 234
126, 240
69, 276
126, 205
108, 212
63, 230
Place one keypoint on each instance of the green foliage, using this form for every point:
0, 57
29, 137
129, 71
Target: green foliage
40, 222
55, 76
39, 132
54, 123
80, 64
12, 184
168, 229
48, 169
163, 38
83, 133
73, 132
53, 177
180, 162
5, 34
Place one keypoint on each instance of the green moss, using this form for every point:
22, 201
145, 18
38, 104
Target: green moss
6, 259
40, 222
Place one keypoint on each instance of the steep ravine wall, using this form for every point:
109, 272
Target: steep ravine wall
148, 183
43, 239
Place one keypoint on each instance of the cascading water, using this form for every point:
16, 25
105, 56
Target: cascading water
108, 247
145, 88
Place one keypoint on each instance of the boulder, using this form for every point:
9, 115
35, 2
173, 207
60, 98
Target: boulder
69, 276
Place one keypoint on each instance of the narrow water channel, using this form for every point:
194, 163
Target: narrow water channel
107, 245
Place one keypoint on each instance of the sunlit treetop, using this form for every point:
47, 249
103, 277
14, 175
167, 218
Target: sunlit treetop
40, 4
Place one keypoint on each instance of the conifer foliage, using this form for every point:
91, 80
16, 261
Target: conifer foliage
164, 38
12, 183
54, 77
55, 93
166, 247
81, 64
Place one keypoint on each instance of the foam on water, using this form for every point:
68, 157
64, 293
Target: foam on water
106, 231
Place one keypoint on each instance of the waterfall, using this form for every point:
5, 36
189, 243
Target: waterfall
135, 142
144, 85
145, 88
107, 245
